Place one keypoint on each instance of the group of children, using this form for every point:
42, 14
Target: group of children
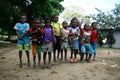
54, 37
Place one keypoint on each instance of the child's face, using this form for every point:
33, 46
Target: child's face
47, 22
74, 23
65, 24
94, 26
23, 19
87, 27
37, 23
56, 18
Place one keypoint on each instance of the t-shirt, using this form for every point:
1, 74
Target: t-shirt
94, 36
22, 28
36, 36
56, 28
64, 34
48, 34
85, 37
74, 31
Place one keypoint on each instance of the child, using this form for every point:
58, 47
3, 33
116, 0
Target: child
56, 31
22, 29
74, 35
85, 42
64, 37
36, 34
48, 39
94, 38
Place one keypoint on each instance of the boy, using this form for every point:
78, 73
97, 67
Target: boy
64, 37
22, 29
56, 31
36, 34
94, 38
48, 39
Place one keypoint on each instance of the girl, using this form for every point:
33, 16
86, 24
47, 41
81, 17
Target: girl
74, 35
85, 42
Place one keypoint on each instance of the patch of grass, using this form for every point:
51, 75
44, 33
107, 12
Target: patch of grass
6, 45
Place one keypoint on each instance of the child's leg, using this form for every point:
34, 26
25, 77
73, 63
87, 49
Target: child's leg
94, 56
34, 51
34, 61
83, 51
58, 54
58, 46
20, 58
82, 56
28, 58
71, 58
94, 47
65, 54
27, 48
71, 53
61, 54
90, 51
20, 47
44, 57
39, 48
86, 56
80, 49
49, 57
90, 55
39, 59
75, 53
54, 55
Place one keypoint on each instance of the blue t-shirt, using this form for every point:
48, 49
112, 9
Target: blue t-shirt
22, 28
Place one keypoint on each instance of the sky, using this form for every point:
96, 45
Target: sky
90, 5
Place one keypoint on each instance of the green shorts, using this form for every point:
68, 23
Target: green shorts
25, 47
39, 49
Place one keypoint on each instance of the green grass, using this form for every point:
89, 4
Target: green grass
7, 45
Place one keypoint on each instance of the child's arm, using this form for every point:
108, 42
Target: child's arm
100, 35
25, 34
19, 36
54, 39
70, 41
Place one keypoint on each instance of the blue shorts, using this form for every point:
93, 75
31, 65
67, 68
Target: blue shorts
94, 46
86, 47
75, 44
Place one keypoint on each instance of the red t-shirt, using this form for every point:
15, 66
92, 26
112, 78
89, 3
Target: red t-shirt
85, 37
93, 37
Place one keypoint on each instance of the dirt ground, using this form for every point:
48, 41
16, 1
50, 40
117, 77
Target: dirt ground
106, 67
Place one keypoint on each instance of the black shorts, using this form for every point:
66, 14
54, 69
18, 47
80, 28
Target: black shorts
57, 45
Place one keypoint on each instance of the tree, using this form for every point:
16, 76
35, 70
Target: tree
11, 9
74, 11
116, 13
107, 21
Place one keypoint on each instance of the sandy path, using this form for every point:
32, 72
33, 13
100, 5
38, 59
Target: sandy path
107, 67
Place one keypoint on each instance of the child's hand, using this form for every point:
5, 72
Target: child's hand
76, 34
20, 37
36, 31
55, 30
55, 41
